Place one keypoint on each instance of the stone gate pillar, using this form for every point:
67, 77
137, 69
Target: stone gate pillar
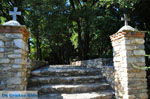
13, 56
129, 62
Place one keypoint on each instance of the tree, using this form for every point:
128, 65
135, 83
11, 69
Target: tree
66, 30
85, 23
7, 5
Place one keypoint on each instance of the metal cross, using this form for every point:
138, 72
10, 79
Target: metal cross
126, 19
14, 13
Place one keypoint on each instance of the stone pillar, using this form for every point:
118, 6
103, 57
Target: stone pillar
13, 57
129, 62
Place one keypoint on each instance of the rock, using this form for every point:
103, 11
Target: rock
16, 66
14, 35
4, 60
1, 44
14, 81
2, 50
19, 43
1, 55
14, 56
139, 52
20, 61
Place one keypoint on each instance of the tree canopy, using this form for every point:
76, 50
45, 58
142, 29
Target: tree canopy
68, 30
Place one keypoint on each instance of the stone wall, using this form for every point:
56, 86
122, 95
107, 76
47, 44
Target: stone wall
35, 64
129, 62
13, 57
106, 65
109, 73
99, 62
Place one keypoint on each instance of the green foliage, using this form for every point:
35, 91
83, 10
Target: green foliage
66, 30
82, 26
2, 20
74, 39
127, 3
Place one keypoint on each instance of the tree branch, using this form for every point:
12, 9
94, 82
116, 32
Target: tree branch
72, 4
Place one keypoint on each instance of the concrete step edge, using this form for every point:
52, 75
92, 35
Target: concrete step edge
88, 95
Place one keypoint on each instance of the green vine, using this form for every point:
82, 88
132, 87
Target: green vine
142, 67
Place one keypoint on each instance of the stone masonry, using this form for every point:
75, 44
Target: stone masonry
13, 57
105, 64
129, 62
70, 82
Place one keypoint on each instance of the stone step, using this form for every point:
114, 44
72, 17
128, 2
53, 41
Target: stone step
73, 88
66, 66
37, 81
90, 95
49, 71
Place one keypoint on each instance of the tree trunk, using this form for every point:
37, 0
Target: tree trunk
38, 44
80, 46
29, 49
86, 45
86, 39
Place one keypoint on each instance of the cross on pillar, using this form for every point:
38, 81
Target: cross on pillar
126, 19
14, 13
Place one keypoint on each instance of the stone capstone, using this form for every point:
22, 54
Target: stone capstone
127, 28
12, 23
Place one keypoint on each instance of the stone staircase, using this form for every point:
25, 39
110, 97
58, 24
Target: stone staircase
69, 82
